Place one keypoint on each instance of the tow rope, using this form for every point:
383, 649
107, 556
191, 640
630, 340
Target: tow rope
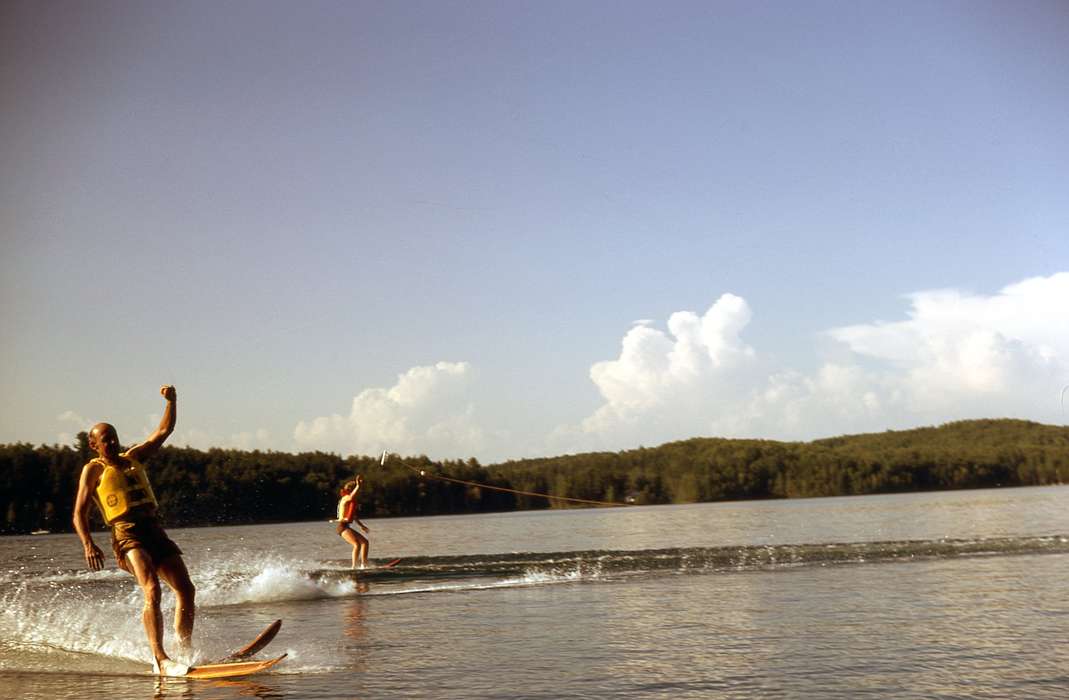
423, 473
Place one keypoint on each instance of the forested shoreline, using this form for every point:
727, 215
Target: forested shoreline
230, 487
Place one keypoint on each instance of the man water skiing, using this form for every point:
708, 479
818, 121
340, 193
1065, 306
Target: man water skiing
117, 482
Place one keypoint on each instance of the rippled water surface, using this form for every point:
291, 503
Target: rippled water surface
955, 595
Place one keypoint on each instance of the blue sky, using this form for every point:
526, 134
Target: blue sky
529, 228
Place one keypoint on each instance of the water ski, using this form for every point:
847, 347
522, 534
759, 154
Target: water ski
375, 567
262, 640
231, 669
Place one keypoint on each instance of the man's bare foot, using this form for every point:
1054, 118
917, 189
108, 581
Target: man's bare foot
167, 667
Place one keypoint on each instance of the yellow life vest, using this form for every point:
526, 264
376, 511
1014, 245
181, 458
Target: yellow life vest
122, 489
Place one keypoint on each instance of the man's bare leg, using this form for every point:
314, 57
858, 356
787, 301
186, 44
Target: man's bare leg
141, 565
352, 538
365, 547
173, 571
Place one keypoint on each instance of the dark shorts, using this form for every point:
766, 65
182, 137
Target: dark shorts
344, 525
146, 534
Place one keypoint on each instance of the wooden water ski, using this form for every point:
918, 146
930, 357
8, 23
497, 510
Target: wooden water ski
262, 640
231, 669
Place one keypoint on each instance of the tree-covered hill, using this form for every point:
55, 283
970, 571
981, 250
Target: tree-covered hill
197, 487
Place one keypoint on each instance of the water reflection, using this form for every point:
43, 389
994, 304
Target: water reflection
220, 689
355, 614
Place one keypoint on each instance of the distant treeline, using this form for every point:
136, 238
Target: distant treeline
212, 487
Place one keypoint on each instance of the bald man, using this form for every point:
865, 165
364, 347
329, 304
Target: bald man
116, 481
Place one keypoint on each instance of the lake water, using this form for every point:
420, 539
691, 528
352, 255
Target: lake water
941, 595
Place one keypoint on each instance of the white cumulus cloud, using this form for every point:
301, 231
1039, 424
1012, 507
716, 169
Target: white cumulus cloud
969, 355
72, 417
425, 412
666, 385
258, 439
955, 355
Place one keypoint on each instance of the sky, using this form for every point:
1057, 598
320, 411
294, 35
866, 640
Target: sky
529, 228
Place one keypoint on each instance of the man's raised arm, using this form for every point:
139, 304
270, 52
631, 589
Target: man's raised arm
155, 441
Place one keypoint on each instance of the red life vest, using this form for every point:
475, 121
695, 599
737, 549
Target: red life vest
350, 510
